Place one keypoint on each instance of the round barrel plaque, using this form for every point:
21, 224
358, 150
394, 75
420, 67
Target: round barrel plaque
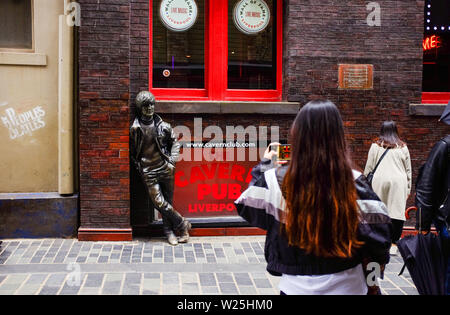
251, 16
178, 15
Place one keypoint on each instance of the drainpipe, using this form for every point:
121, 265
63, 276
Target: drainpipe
65, 107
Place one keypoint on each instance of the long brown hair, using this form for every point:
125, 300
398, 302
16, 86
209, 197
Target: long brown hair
322, 212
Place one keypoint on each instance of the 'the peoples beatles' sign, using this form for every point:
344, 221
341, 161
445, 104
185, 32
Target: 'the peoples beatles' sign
23, 123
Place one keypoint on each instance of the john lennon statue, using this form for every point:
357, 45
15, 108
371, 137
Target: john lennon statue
154, 151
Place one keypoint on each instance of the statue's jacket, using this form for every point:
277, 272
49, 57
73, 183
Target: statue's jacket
167, 143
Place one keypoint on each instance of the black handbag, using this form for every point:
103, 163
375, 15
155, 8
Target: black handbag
370, 175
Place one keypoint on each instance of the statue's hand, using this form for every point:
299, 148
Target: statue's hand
138, 166
172, 161
171, 167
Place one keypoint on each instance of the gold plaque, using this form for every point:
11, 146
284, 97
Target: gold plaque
355, 77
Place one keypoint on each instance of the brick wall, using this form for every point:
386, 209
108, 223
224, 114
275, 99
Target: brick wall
139, 48
322, 34
318, 35
104, 84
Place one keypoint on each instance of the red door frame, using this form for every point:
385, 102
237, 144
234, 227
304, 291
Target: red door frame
435, 97
216, 60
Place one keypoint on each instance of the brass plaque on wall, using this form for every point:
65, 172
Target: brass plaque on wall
355, 77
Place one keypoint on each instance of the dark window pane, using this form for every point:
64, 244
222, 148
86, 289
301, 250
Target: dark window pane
436, 45
438, 12
252, 57
15, 24
179, 57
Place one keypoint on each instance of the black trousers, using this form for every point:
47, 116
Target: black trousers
397, 230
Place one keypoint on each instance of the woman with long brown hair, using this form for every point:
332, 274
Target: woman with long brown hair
322, 218
392, 179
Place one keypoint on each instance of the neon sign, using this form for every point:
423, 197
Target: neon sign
431, 42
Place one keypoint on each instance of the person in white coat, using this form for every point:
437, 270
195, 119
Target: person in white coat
392, 179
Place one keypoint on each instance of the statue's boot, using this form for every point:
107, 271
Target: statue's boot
184, 231
171, 238
169, 233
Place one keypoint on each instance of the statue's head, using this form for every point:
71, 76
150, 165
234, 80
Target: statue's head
145, 104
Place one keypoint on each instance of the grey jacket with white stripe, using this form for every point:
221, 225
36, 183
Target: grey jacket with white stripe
262, 205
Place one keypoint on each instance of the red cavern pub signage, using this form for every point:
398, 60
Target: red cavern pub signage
209, 188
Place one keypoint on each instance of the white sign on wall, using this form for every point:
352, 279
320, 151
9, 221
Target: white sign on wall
178, 15
20, 124
251, 16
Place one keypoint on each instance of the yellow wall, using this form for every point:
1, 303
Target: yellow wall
29, 90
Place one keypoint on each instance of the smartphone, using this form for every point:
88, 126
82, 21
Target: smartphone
284, 152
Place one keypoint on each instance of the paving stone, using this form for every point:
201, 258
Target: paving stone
170, 278
49, 291
243, 279
228, 288
189, 277
394, 292
409, 290
15, 279
81, 259
247, 290
398, 281
170, 290
190, 288
151, 285
224, 277
69, 289
262, 283
36, 279
150, 292
386, 284
207, 279
208, 266
94, 280
112, 287
266, 291
151, 275
10, 287
210, 290
55, 280
89, 291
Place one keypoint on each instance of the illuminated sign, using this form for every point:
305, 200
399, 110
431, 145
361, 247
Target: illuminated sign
431, 42
209, 188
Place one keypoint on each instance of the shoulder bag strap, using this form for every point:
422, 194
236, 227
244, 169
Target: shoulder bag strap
379, 161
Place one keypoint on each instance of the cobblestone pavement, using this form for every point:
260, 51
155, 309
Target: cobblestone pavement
204, 266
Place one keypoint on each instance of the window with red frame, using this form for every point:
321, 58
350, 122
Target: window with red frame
436, 52
216, 50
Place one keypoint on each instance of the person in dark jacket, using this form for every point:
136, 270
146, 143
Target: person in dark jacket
324, 223
432, 189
